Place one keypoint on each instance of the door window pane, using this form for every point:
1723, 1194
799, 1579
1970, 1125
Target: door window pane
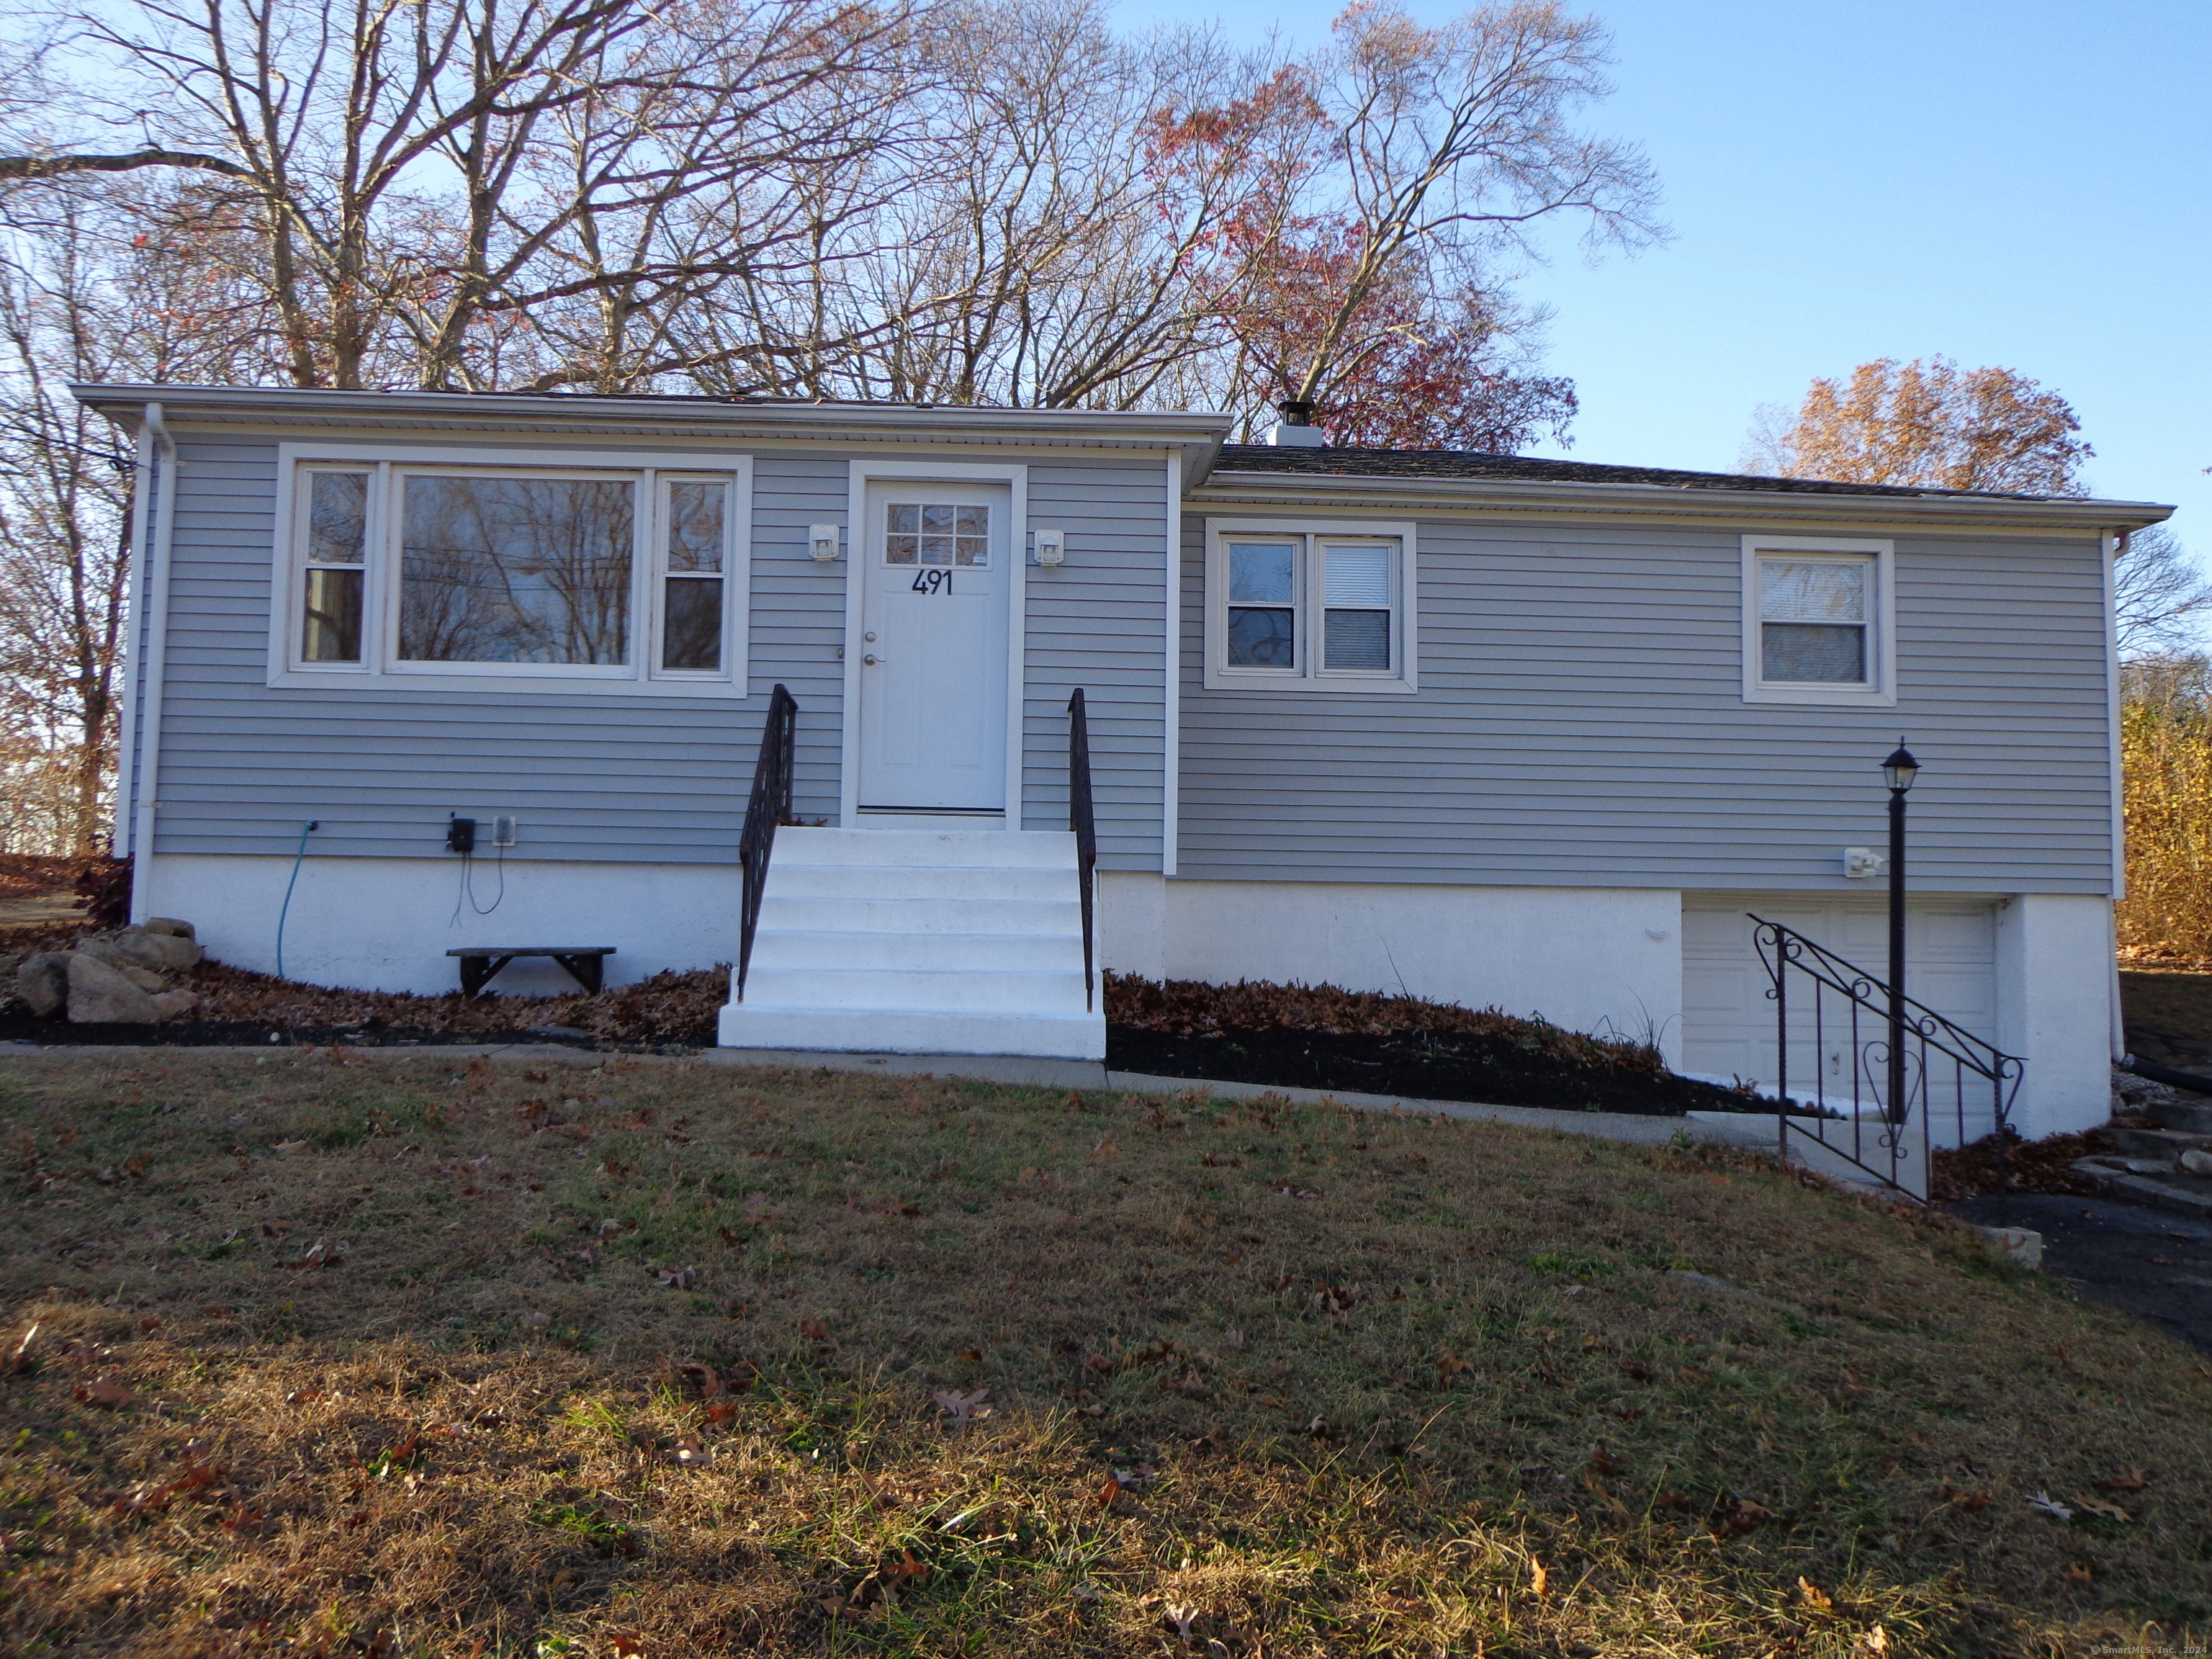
332, 632
696, 515
934, 533
515, 570
691, 625
1261, 572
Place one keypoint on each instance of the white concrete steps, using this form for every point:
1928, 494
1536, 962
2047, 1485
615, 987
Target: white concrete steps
919, 941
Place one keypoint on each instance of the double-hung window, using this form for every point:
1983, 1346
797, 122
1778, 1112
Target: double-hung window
419, 567
1817, 621
1310, 607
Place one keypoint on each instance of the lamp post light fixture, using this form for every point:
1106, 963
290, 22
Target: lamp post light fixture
1898, 771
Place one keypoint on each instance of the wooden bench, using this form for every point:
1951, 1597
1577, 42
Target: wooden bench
585, 963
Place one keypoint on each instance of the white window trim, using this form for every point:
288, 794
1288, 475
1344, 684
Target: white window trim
1405, 610
1879, 690
379, 669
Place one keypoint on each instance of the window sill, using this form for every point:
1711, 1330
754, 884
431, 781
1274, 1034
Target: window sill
1820, 697
502, 684
1227, 679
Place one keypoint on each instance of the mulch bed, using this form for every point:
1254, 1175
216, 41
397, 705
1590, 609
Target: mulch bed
29, 875
667, 1010
2006, 1163
1319, 1036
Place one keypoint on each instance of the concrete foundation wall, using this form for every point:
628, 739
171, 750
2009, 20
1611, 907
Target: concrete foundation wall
2054, 1009
378, 924
1593, 960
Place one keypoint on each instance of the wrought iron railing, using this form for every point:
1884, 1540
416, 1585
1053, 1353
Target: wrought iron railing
1080, 820
1838, 1017
768, 807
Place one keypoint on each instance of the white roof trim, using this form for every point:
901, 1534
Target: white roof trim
1199, 437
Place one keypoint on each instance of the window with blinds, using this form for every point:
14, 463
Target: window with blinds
1309, 609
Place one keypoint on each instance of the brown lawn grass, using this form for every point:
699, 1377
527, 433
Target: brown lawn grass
402, 1378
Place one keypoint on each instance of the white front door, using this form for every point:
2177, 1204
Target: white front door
933, 620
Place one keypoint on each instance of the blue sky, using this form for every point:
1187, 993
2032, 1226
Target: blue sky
2025, 183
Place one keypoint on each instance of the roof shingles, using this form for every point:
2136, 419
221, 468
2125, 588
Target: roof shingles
1528, 469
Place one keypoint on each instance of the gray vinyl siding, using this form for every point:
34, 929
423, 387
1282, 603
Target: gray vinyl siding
1581, 721
244, 765
1099, 622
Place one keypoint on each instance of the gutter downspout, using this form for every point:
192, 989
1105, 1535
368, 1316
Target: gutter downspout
2114, 546
155, 586
121, 828
1171, 693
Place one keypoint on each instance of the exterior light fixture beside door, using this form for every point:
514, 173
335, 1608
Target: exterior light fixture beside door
1051, 547
822, 541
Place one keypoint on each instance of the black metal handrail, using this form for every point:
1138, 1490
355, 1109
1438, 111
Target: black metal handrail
1080, 820
1866, 1002
768, 807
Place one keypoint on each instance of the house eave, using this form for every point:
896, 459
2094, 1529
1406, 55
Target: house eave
1528, 498
1196, 438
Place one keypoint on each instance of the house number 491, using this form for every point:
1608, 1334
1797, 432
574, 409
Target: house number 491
932, 581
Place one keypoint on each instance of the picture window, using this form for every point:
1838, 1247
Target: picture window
428, 570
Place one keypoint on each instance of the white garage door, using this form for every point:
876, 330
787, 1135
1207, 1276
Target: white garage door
1727, 1018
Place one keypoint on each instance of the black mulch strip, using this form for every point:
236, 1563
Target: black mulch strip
1422, 1065
1425, 1065
18, 1025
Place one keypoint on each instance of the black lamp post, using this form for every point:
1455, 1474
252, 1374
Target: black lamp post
1897, 771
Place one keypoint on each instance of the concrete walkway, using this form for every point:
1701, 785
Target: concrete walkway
1094, 1074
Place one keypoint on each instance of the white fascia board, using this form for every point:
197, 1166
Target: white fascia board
1533, 498
1198, 436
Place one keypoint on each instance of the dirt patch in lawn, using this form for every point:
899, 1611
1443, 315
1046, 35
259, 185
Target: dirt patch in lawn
345, 1353
1319, 1036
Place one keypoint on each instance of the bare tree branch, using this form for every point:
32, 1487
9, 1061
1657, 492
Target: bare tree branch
55, 167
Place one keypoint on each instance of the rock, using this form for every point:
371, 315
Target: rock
2190, 1118
2023, 1244
98, 995
162, 952
175, 1005
170, 926
42, 981
144, 978
2197, 1162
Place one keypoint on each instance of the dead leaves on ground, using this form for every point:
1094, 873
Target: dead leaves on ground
2104, 1509
963, 1408
103, 1392
1735, 1517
